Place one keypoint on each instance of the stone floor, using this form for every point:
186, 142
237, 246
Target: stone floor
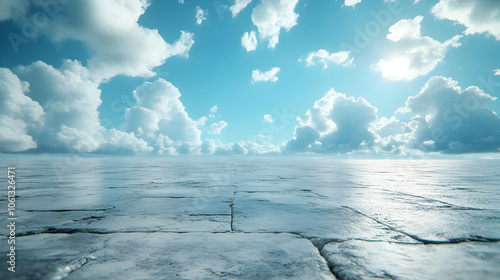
254, 218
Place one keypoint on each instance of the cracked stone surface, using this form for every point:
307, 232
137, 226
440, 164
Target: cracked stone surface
169, 256
357, 259
254, 218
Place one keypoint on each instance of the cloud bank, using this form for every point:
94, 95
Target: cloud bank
55, 110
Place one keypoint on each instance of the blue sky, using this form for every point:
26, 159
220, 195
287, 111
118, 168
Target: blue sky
70, 69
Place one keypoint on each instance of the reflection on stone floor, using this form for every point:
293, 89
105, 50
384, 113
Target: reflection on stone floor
256, 218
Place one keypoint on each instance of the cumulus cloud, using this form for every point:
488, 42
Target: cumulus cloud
217, 127
385, 127
60, 110
70, 100
268, 118
351, 2
445, 119
249, 41
268, 76
200, 15
216, 147
480, 16
159, 114
270, 16
391, 135
324, 57
213, 109
20, 116
414, 55
238, 6
120, 46
497, 72
55, 110
451, 120
336, 123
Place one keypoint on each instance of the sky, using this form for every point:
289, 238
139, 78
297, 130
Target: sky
222, 77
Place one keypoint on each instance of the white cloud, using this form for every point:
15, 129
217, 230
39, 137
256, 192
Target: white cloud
270, 16
213, 109
238, 6
268, 118
200, 15
385, 127
446, 119
249, 41
70, 100
158, 114
497, 72
414, 55
479, 16
216, 147
120, 46
182, 46
405, 29
63, 114
391, 135
336, 123
55, 110
259, 76
216, 128
351, 2
181, 1
324, 57
451, 120
20, 116
119, 142
201, 121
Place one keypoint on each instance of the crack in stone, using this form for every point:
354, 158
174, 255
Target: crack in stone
390, 276
330, 267
208, 215
428, 241
231, 205
68, 210
319, 243
55, 230
169, 196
